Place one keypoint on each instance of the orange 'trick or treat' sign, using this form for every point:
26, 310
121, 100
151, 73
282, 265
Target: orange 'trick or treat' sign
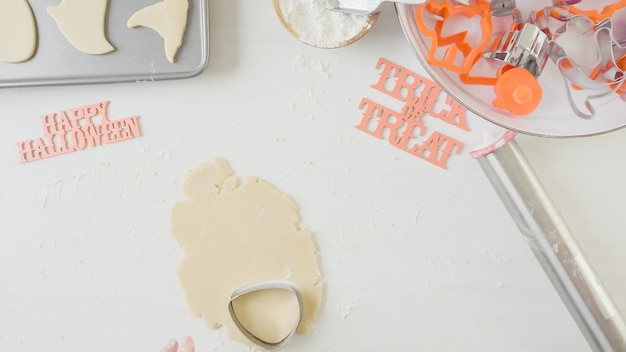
455, 44
408, 129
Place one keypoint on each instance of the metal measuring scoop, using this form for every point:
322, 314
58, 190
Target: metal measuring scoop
366, 7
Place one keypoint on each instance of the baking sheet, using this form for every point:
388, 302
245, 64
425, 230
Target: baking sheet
139, 54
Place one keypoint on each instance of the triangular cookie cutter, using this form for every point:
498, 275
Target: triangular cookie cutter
263, 286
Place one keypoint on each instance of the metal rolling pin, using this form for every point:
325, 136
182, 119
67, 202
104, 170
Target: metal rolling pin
556, 249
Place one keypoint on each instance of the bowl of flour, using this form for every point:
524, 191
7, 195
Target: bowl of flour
313, 23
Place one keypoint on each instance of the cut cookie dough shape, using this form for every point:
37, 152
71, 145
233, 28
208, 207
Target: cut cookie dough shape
18, 31
82, 22
233, 235
169, 19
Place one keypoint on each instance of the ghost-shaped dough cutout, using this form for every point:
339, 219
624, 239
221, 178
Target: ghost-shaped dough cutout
169, 19
82, 22
18, 31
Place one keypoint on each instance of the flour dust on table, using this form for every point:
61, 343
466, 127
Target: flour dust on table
234, 235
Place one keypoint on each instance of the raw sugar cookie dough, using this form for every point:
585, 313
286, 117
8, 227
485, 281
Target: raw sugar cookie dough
83, 24
169, 19
18, 31
234, 235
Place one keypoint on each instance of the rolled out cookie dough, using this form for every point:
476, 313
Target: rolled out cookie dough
18, 31
169, 19
234, 235
83, 24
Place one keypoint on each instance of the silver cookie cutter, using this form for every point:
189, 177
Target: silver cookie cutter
603, 78
525, 45
532, 43
262, 286
565, 2
505, 8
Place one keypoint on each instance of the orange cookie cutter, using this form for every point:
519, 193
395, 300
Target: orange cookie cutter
621, 63
598, 16
466, 78
442, 11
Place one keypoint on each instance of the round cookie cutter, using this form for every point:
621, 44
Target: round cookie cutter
264, 286
288, 26
524, 197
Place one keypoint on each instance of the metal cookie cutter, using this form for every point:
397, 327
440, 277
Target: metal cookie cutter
597, 16
565, 2
504, 8
262, 286
525, 46
603, 78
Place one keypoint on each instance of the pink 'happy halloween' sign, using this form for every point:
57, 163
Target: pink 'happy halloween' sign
77, 129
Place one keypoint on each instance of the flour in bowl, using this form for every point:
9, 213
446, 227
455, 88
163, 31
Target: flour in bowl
314, 23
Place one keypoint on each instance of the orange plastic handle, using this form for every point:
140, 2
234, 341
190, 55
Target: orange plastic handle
518, 91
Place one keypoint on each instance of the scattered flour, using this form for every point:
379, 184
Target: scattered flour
323, 67
317, 26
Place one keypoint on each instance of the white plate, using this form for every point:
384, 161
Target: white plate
553, 118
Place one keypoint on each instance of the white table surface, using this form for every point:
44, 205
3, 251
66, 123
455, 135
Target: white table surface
414, 257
